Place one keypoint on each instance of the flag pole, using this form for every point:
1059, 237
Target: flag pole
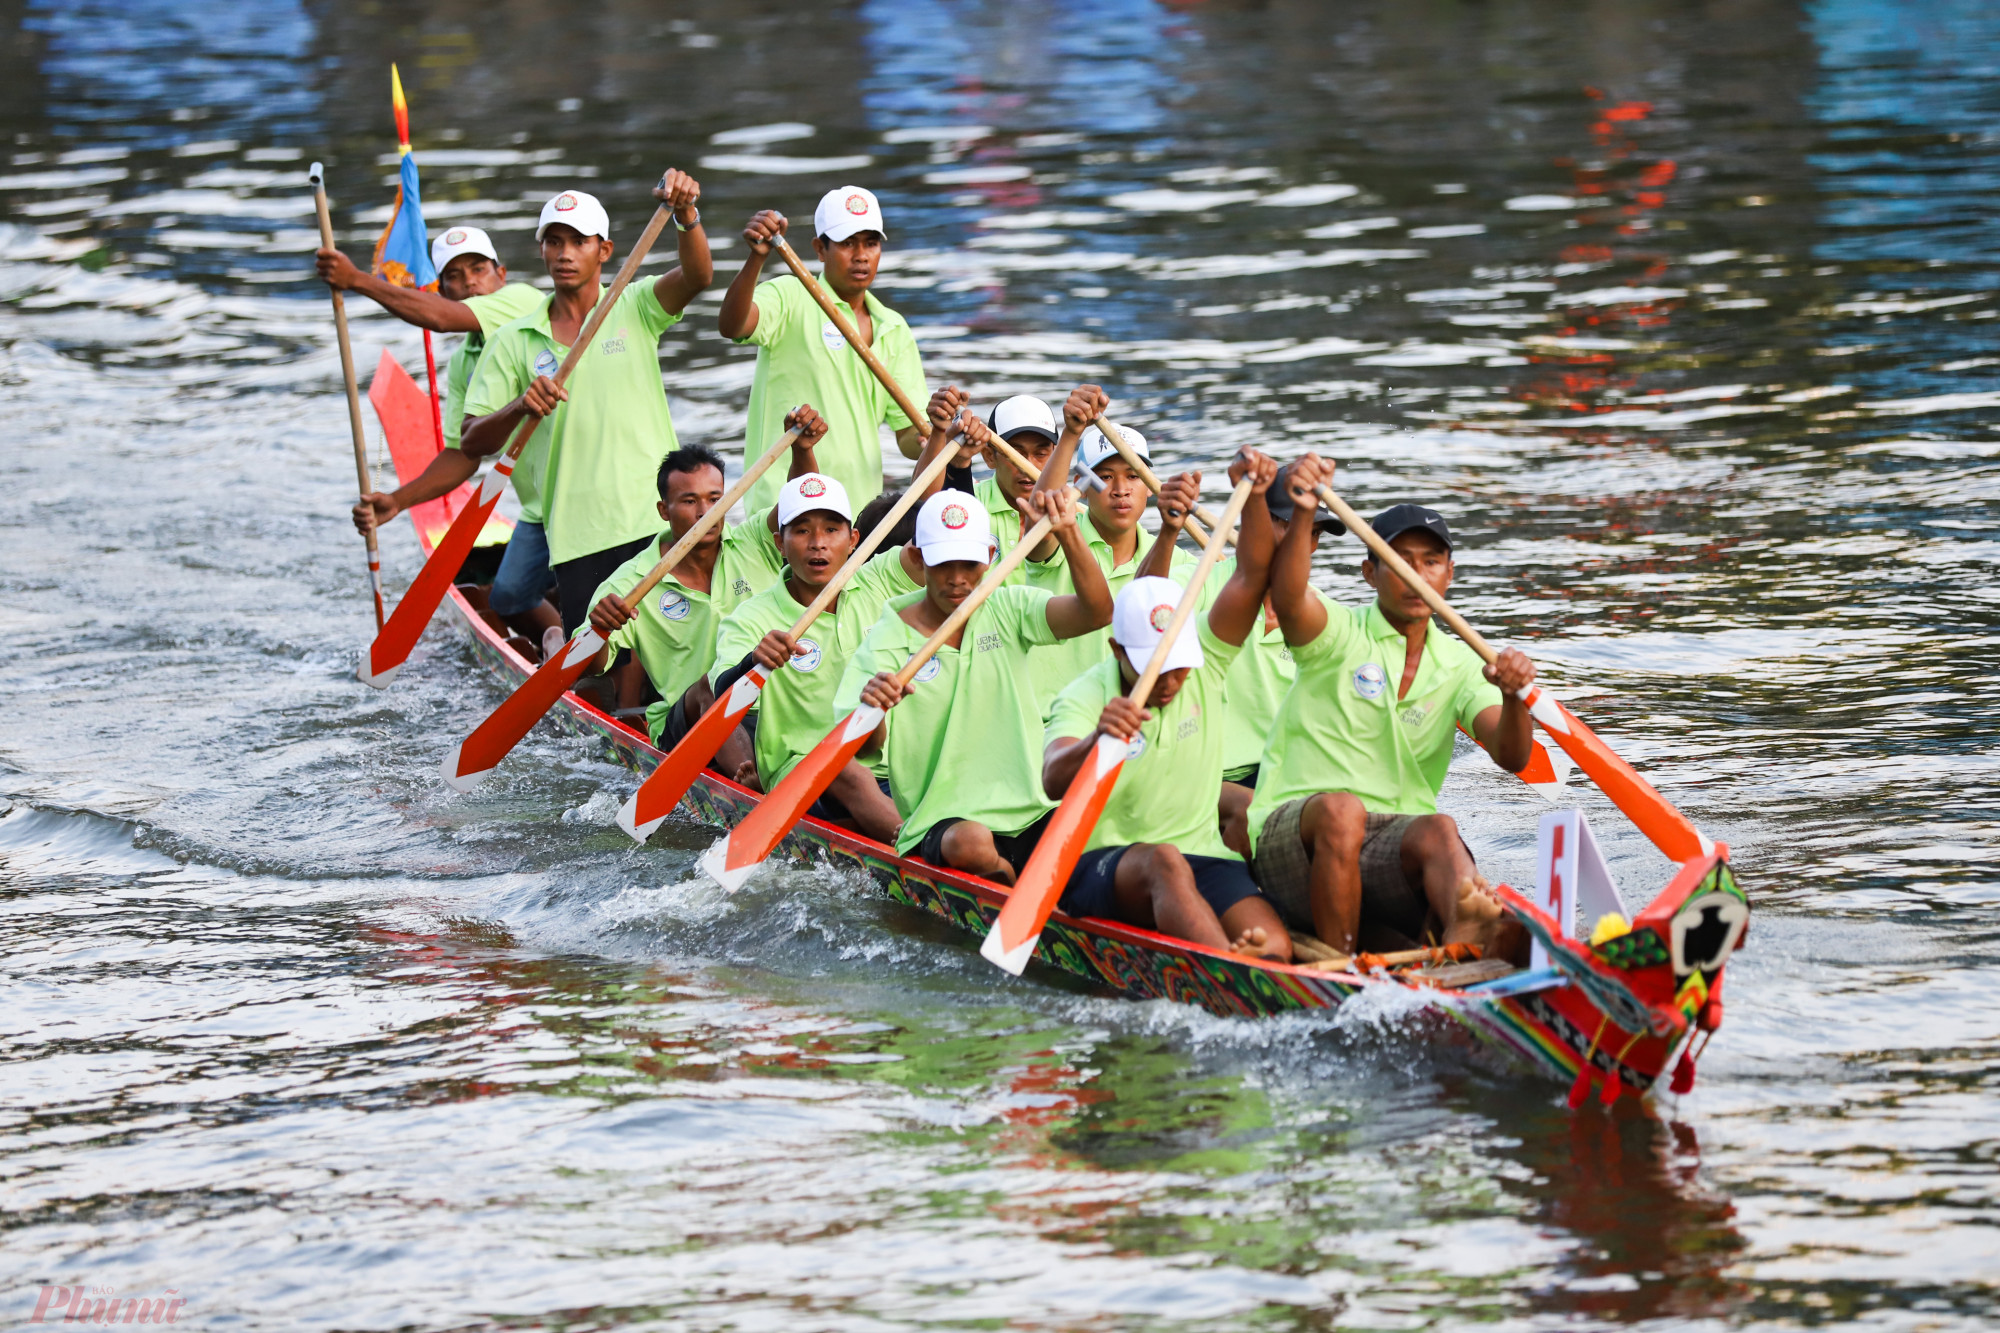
402, 109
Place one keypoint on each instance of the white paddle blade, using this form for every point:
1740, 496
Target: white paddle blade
1008, 960
628, 819
715, 864
380, 680
460, 781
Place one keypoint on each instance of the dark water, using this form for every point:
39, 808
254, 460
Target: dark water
1683, 313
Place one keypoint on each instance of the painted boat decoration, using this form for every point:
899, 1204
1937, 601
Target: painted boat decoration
1608, 1018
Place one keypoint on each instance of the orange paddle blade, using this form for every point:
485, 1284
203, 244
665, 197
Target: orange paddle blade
732, 860
480, 753
1671, 831
647, 808
392, 647
1546, 771
1011, 941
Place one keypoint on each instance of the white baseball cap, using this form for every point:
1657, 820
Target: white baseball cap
574, 208
1095, 449
1020, 413
951, 525
846, 210
461, 241
1139, 621
815, 490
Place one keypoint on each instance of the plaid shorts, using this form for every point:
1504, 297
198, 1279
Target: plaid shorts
1283, 866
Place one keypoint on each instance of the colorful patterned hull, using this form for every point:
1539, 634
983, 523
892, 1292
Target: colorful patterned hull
1625, 1019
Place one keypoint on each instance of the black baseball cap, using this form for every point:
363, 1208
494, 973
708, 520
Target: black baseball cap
1278, 500
1396, 520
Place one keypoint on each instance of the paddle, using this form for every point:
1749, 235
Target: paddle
1671, 831
733, 858
318, 179
392, 647
1011, 941
648, 807
474, 757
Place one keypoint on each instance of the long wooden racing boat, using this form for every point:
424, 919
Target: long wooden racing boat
1610, 1019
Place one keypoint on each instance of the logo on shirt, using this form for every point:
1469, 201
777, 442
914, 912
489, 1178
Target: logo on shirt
831, 336
565, 202
1369, 682
1189, 726
1416, 715
546, 363
672, 605
856, 205
456, 236
812, 488
954, 517
614, 345
741, 587
806, 656
1160, 617
929, 670
988, 642
1136, 747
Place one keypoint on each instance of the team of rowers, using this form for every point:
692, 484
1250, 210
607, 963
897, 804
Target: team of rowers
1283, 775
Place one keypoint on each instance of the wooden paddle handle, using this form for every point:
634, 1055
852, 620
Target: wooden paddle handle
1210, 553
716, 512
318, 178
995, 576
595, 320
848, 331
1147, 475
1401, 567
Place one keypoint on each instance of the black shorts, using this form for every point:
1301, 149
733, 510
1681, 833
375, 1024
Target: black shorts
1244, 777
1222, 882
577, 579
829, 808
1014, 848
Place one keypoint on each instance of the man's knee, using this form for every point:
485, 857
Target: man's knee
967, 843
1432, 836
1157, 864
1336, 821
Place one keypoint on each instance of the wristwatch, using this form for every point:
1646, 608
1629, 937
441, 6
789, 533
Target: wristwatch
690, 226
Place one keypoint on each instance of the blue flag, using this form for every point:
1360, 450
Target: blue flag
403, 255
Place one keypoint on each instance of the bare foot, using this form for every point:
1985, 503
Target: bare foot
746, 775
1255, 943
1479, 918
552, 641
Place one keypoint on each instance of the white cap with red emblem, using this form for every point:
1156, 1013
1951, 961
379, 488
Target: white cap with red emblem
456, 241
815, 490
574, 208
952, 525
1139, 621
847, 210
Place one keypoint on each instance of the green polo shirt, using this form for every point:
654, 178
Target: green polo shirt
605, 443
795, 707
494, 311
1342, 728
1006, 522
1166, 790
962, 742
801, 358
1257, 684
673, 630
1056, 667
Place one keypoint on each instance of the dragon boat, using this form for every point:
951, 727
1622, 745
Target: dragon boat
1612, 1018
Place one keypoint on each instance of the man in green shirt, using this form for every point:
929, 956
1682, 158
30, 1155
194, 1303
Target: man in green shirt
794, 709
1112, 533
801, 355
607, 429
1029, 425
1154, 857
961, 748
1344, 830
473, 298
672, 632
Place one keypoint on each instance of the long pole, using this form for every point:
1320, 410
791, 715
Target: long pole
318, 178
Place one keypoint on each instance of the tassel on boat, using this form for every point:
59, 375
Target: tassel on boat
1579, 1091
1683, 1075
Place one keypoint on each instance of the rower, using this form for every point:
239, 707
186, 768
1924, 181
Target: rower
961, 748
816, 534
1345, 835
1112, 533
473, 298
801, 355
1154, 857
1029, 425
672, 632
601, 437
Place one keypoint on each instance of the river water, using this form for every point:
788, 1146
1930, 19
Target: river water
1683, 314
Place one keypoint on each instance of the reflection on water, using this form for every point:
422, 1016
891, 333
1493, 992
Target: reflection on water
1682, 315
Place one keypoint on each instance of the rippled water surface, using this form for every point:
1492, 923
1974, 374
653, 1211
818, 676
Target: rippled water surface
1682, 313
